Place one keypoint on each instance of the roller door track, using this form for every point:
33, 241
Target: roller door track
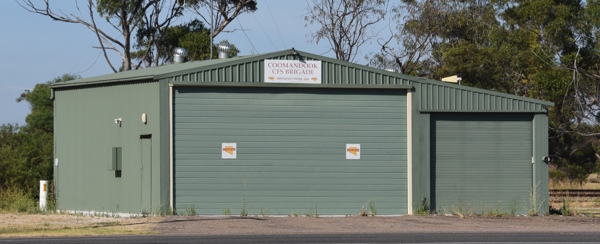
481, 162
291, 146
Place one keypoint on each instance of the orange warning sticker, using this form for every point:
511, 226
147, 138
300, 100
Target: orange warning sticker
352, 151
229, 150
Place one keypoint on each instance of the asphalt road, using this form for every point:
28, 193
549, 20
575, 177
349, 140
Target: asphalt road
589, 237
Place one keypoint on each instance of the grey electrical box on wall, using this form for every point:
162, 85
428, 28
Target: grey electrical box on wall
116, 159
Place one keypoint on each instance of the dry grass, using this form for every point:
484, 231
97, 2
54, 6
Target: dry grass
14, 225
591, 183
578, 204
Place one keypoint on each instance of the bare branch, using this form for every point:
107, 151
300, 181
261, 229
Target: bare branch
123, 16
224, 12
345, 24
98, 35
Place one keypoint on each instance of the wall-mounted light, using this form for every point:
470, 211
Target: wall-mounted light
144, 118
118, 121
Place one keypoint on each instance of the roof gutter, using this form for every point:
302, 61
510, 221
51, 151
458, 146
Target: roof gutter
288, 85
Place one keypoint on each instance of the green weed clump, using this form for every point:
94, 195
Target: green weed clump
14, 200
423, 208
265, 212
227, 212
372, 208
566, 208
164, 211
191, 211
313, 212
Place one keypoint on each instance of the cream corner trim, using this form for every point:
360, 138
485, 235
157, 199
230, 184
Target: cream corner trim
409, 151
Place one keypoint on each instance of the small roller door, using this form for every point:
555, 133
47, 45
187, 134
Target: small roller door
481, 162
291, 150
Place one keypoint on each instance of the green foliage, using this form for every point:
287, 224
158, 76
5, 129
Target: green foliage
295, 214
164, 211
192, 36
263, 212
513, 207
372, 208
423, 208
15, 200
227, 212
111, 8
544, 49
191, 211
244, 212
566, 210
575, 156
556, 175
535, 202
315, 211
26, 152
492, 211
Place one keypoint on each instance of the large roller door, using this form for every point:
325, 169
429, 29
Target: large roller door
481, 162
291, 150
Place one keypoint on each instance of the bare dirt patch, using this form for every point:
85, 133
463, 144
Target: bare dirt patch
19, 225
360, 225
15, 225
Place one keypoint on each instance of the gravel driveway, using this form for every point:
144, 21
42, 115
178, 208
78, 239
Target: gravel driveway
360, 225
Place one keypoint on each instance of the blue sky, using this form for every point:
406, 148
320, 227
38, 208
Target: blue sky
34, 49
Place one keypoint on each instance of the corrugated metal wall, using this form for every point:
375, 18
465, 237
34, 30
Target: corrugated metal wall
290, 150
442, 97
85, 129
481, 162
85, 133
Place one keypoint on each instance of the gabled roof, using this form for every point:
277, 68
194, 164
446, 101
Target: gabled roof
248, 70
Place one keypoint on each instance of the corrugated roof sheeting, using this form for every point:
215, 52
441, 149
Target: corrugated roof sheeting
437, 96
252, 71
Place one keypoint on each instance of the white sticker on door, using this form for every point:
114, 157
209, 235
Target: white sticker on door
352, 151
228, 150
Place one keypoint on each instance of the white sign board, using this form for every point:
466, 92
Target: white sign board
292, 71
229, 150
352, 151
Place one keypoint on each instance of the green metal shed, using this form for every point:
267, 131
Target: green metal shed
293, 132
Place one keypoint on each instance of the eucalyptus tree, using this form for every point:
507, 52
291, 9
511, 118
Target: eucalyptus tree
124, 16
345, 24
193, 36
26, 151
545, 49
221, 13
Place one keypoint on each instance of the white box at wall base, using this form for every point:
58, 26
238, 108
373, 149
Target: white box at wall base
43, 194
